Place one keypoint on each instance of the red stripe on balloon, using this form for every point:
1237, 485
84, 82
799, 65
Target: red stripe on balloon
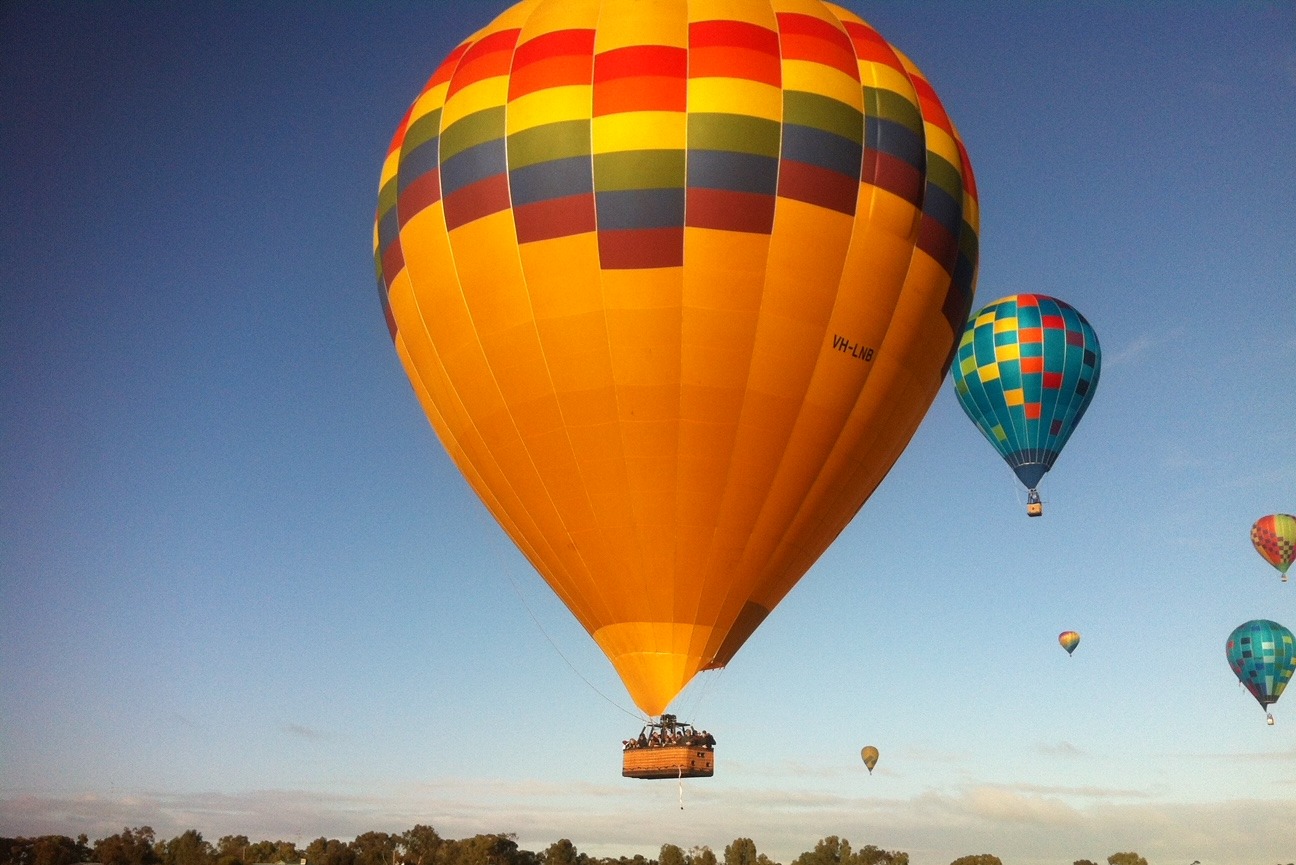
555, 217
730, 211
421, 194
804, 37
486, 196
734, 49
562, 58
490, 57
815, 185
641, 248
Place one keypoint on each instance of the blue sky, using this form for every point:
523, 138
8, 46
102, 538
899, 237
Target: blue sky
243, 590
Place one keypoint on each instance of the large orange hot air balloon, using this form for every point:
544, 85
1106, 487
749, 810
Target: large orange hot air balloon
675, 282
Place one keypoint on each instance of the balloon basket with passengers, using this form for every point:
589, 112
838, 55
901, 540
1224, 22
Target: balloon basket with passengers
669, 748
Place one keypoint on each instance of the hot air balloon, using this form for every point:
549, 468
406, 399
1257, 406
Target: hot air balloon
1026, 369
1274, 538
675, 283
1069, 640
1263, 656
869, 755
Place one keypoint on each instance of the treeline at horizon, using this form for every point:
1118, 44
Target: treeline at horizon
423, 846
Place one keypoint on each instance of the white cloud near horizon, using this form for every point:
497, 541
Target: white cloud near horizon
1023, 825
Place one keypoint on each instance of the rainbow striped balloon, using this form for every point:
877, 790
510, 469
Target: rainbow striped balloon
675, 283
1274, 537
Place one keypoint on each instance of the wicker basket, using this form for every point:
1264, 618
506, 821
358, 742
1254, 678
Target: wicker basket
668, 761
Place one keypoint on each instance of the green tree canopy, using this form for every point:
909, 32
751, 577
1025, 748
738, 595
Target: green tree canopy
741, 851
187, 848
871, 855
375, 848
420, 845
44, 850
1126, 859
127, 847
671, 855
563, 852
329, 851
828, 851
231, 849
978, 859
272, 851
485, 850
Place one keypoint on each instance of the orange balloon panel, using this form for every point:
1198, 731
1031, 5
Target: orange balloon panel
675, 283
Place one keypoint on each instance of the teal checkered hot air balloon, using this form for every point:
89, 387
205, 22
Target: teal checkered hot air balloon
1263, 656
1025, 371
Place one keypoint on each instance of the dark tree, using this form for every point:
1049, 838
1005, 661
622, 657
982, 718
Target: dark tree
127, 847
870, 855
272, 851
742, 851
671, 855
563, 852
45, 850
978, 859
329, 851
188, 848
637, 859
231, 850
1084, 862
484, 850
828, 851
1126, 859
375, 848
420, 845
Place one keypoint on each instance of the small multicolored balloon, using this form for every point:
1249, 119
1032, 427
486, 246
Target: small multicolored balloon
1069, 640
869, 755
1274, 538
1025, 372
1262, 654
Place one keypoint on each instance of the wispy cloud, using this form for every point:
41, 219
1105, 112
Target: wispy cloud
1140, 347
301, 731
1059, 749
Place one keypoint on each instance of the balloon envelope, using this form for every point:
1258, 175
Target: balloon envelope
1274, 538
1263, 657
1069, 640
1026, 369
869, 755
675, 283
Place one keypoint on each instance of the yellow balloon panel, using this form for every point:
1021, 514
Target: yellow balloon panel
675, 284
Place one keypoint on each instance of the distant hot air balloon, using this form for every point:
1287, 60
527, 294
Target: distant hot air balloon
1263, 656
1274, 538
1069, 640
675, 283
1026, 369
869, 755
